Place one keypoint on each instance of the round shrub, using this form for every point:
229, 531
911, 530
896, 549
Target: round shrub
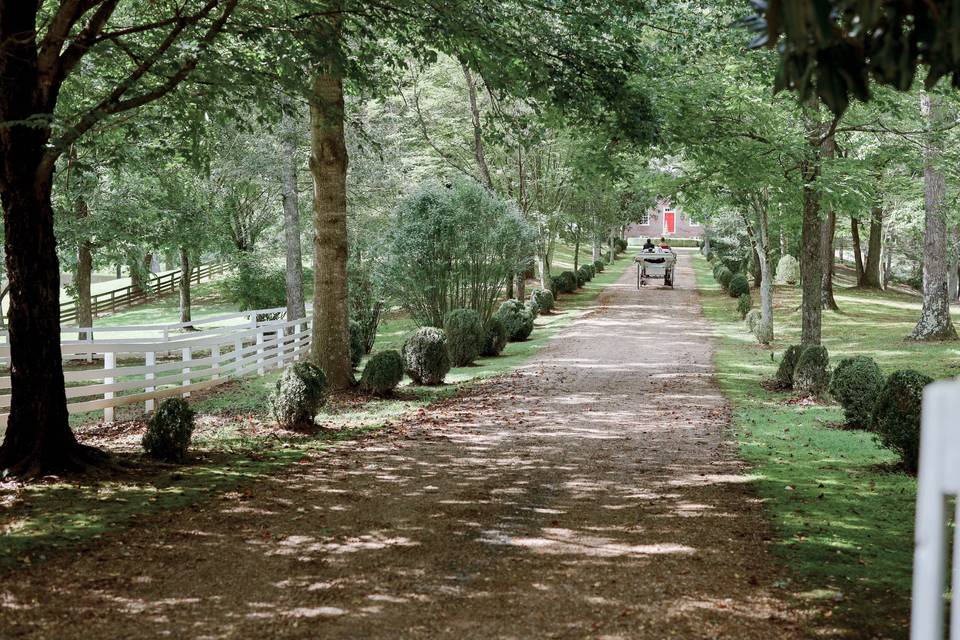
788, 270
357, 345
744, 304
555, 284
169, 431
752, 320
426, 358
812, 376
896, 416
543, 298
465, 336
620, 244
581, 276
716, 270
496, 337
598, 266
517, 318
383, 372
568, 282
739, 285
788, 363
725, 277
591, 270
298, 395
533, 308
856, 383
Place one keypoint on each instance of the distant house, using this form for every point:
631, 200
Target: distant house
664, 220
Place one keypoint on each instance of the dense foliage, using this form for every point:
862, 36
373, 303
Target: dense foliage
856, 383
299, 394
465, 336
896, 417
426, 356
453, 247
382, 373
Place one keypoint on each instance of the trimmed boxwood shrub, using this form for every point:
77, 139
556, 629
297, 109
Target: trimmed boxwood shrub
620, 244
533, 308
383, 372
426, 358
812, 375
298, 395
788, 363
598, 266
896, 416
465, 336
855, 384
724, 277
555, 285
543, 298
357, 345
517, 318
581, 276
752, 320
739, 285
169, 431
496, 337
568, 282
744, 304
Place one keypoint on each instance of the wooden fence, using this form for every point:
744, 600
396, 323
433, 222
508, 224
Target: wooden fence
142, 364
111, 301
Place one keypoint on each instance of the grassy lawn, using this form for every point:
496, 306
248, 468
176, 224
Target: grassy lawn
235, 445
843, 514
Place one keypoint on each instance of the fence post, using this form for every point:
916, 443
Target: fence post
237, 348
150, 360
260, 352
187, 357
215, 352
109, 362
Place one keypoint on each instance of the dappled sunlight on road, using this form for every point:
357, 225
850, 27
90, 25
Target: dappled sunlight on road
592, 493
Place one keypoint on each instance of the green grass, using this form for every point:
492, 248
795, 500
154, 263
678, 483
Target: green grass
842, 513
562, 259
41, 518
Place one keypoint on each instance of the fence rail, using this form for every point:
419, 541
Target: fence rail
111, 301
142, 364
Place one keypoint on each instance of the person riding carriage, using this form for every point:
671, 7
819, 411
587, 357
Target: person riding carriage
655, 262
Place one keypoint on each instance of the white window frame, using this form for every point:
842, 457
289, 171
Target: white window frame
644, 218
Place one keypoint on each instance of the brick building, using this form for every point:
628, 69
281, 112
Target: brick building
663, 220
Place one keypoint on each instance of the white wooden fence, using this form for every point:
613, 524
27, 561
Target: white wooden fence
116, 366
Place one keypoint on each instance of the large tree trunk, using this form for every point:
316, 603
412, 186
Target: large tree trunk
857, 250
759, 232
185, 272
811, 260
296, 308
38, 439
935, 322
328, 164
888, 261
756, 270
953, 276
871, 270
576, 253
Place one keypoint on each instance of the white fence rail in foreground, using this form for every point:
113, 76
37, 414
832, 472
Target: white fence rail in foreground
116, 366
938, 479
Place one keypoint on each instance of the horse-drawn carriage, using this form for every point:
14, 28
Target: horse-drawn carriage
655, 264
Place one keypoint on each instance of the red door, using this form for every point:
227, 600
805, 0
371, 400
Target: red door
669, 222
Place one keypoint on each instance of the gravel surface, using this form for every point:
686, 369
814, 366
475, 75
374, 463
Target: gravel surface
595, 493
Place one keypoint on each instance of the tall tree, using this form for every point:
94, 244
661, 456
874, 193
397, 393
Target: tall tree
935, 322
149, 50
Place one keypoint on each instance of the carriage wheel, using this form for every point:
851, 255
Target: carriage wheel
668, 278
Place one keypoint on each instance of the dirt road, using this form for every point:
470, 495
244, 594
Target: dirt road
595, 493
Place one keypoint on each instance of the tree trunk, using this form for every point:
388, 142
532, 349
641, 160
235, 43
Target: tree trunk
576, 253
953, 277
328, 164
38, 438
759, 233
888, 262
296, 308
828, 229
857, 251
935, 322
755, 269
871, 270
811, 260
84, 276
185, 272
521, 286
478, 153
596, 253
